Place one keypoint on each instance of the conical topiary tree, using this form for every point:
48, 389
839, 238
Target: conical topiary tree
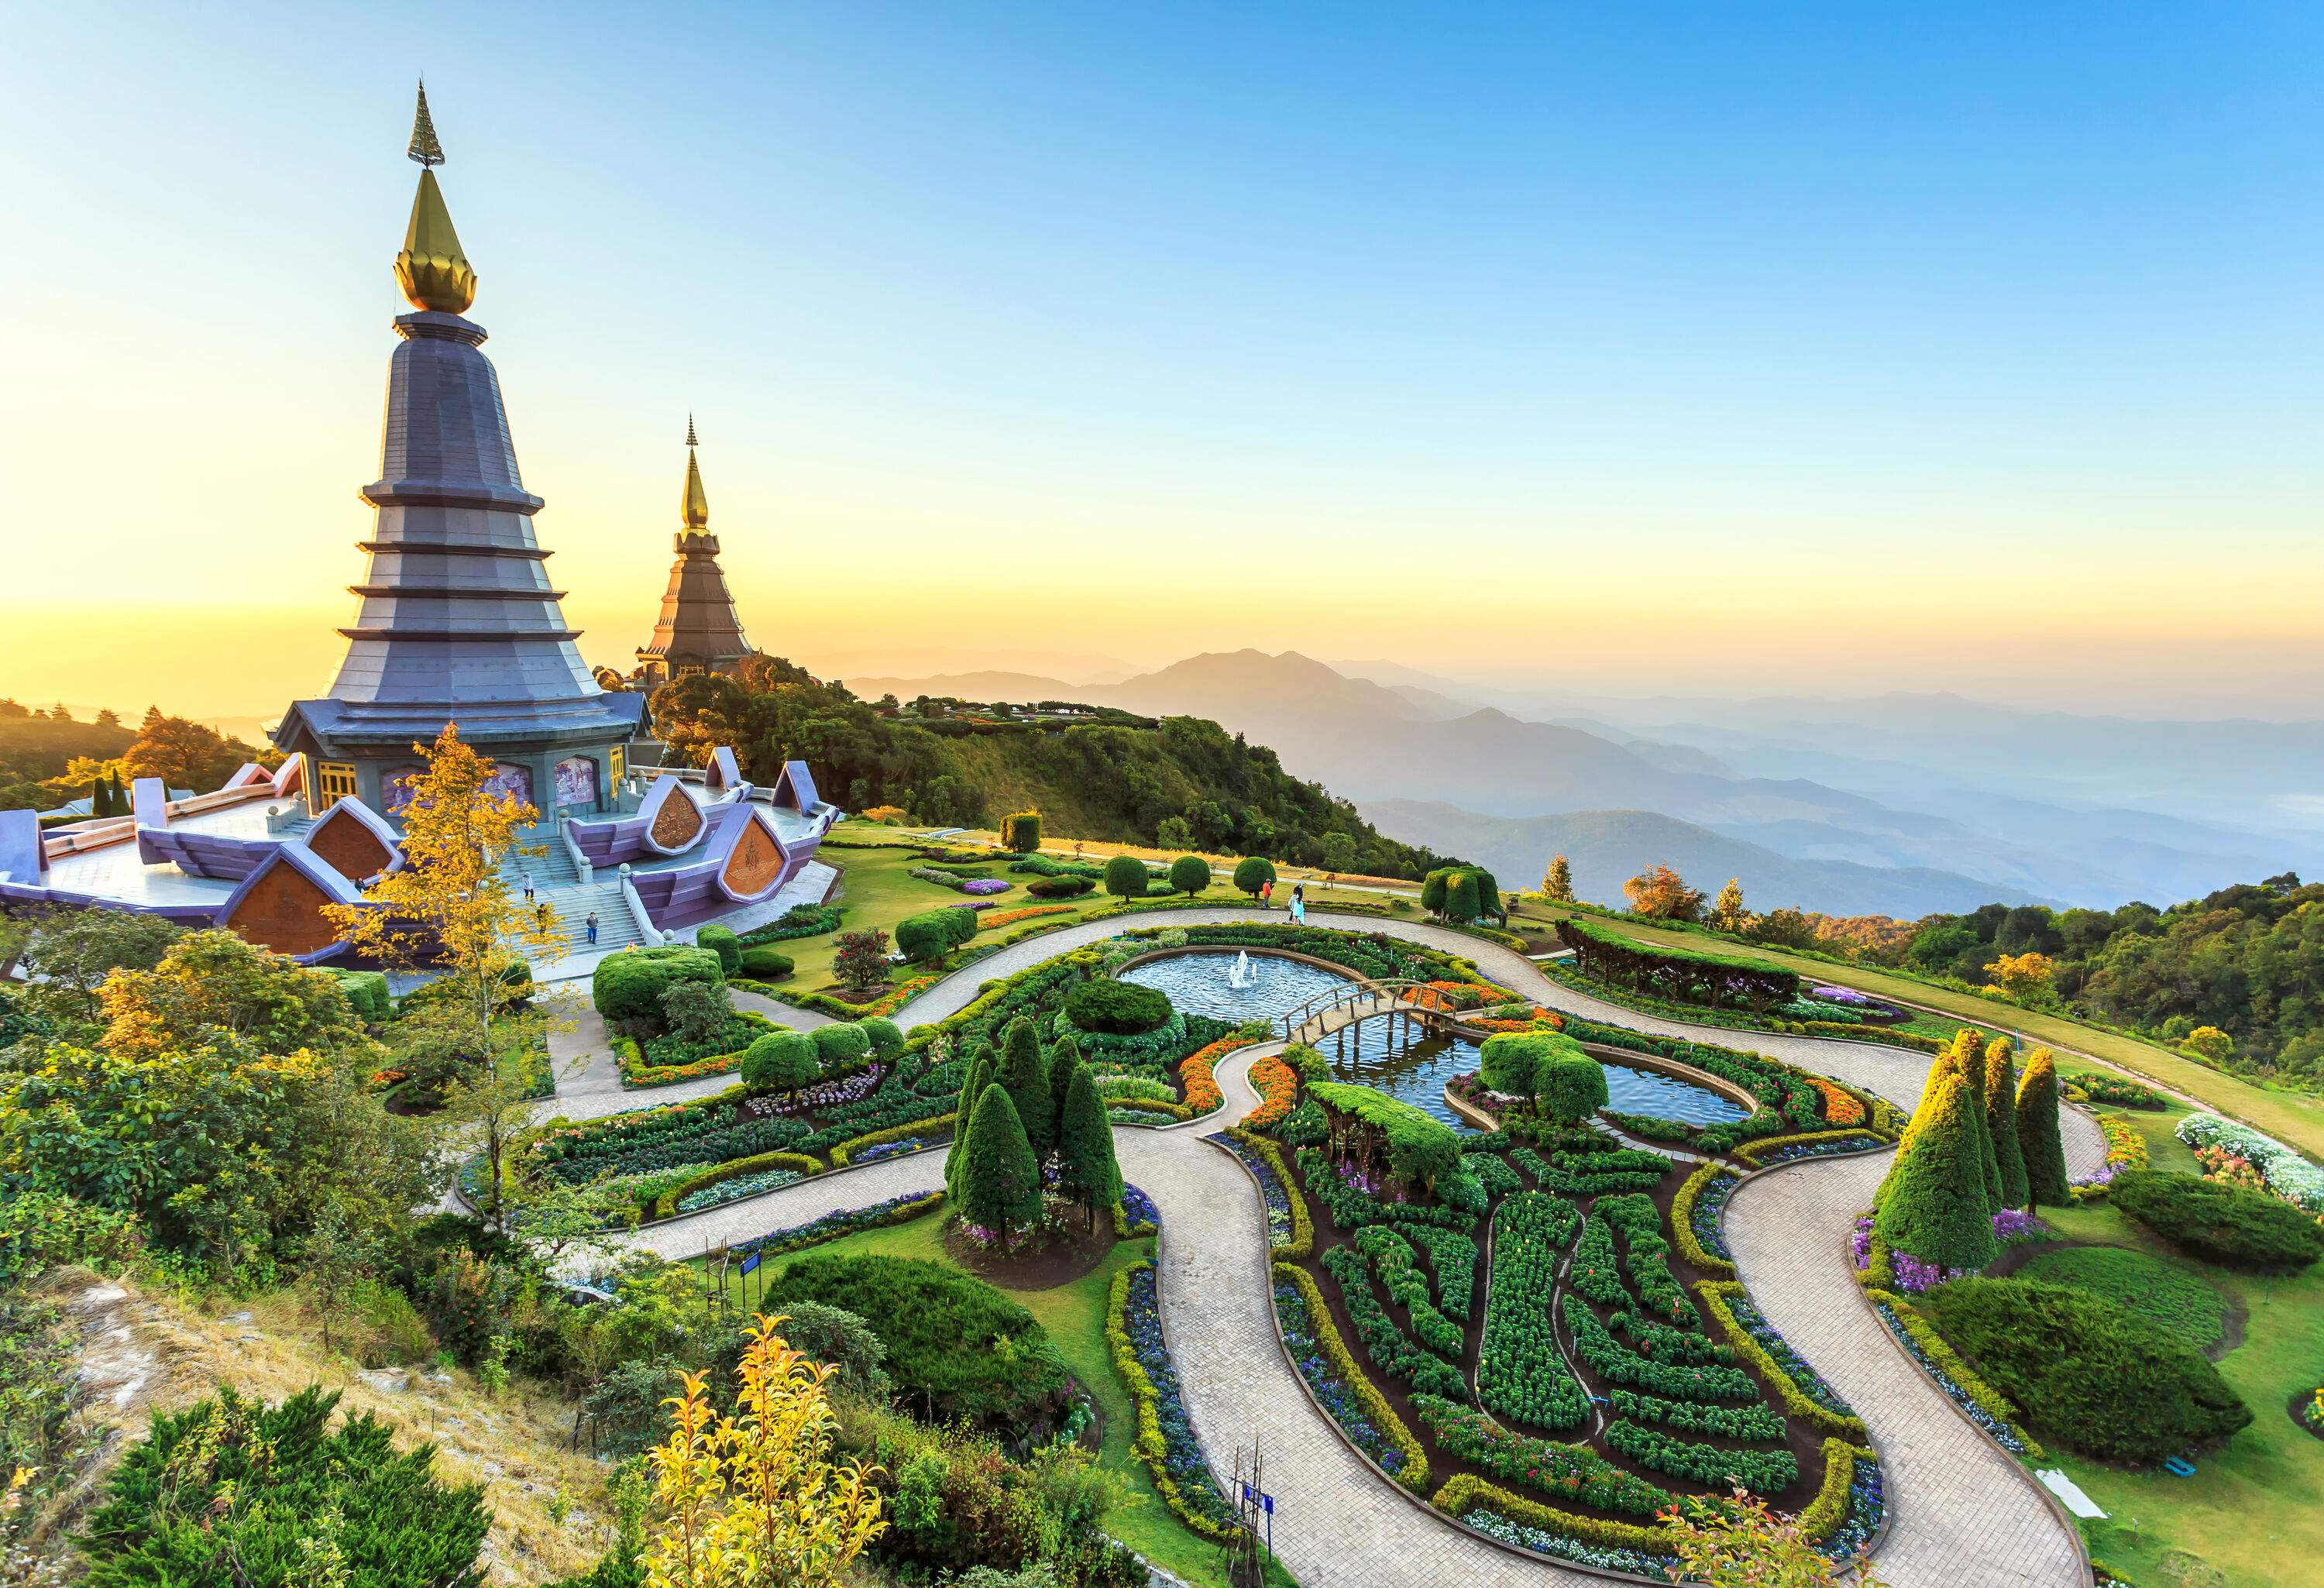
1085, 1147
100, 796
1000, 1184
1028, 1081
972, 1087
2038, 1137
1934, 1207
1940, 1066
1064, 1058
2001, 1118
1968, 1060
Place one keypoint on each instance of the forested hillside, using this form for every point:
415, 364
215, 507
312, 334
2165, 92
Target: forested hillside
1178, 782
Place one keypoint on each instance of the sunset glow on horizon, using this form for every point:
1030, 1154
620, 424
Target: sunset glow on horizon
1703, 358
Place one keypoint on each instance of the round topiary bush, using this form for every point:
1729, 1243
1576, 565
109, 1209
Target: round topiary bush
1126, 876
761, 963
1066, 887
841, 1047
627, 987
780, 1061
1253, 872
2226, 1223
1190, 874
886, 1036
2085, 1371
1118, 1009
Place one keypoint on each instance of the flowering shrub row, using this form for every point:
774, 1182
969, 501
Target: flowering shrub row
1398, 1268
1136, 1214
2288, 1175
1840, 1106
1389, 1349
831, 1226
2125, 1150
1763, 1472
2120, 1091
1986, 1407
683, 1196
907, 1137
1288, 1228
1617, 1363
1695, 1218
1774, 1150
1346, 1396
739, 1188
1201, 1088
1277, 1085
1009, 918
1166, 1440
1733, 1422
1570, 1472
1800, 1388
1520, 1371
1636, 1548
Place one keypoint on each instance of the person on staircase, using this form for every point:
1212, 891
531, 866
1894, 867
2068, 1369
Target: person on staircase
592, 925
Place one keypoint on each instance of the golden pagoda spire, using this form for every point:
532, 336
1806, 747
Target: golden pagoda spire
695, 508
431, 270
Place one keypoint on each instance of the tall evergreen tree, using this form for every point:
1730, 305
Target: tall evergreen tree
972, 1089
1022, 1073
2038, 1136
1968, 1059
1085, 1147
100, 797
1000, 1183
1063, 1058
1935, 1204
1940, 1066
2001, 1118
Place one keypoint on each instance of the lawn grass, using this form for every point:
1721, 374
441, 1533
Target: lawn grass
2249, 1514
2292, 1117
1073, 1314
2174, 1296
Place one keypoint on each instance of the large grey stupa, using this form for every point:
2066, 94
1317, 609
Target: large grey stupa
457, 621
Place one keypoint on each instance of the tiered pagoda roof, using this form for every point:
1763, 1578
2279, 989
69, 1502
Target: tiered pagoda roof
699, 630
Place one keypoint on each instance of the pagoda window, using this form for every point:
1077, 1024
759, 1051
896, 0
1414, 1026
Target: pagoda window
335, 781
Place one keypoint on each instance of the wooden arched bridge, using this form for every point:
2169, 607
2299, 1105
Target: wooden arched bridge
1338, 1008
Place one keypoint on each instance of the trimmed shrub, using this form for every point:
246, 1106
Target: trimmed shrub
1115, 1008
2085, 1371
1066, 886
841, 1047
1418, 1148
780, 1061
998, 1182
628, 986
932, 933
1190, 874
1571, 1085
2039, 1142
1020, 830
885, 1036
759, 962
367, 994
1932, 1204
721, 941
1508, 1061
2000, 1094
2227, 1224
1252, 873
1126, 877
1085, 1145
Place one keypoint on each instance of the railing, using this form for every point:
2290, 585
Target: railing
651, 934
1388, 996
581, 866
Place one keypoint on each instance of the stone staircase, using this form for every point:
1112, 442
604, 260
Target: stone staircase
573, 901
553, 868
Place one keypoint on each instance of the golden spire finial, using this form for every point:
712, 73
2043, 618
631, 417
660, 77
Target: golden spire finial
424, 147
431, 270
695, 508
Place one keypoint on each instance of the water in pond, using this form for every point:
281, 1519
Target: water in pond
1396, 1055
1207, 983
1401, 1059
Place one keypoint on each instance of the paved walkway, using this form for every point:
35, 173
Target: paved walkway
1964, 1513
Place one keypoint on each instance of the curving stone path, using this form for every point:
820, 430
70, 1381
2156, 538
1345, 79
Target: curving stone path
1962, 1512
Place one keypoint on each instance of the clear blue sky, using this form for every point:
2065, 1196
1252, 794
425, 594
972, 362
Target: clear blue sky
1861, 342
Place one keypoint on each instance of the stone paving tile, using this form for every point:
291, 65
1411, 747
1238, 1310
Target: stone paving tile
1965, 1513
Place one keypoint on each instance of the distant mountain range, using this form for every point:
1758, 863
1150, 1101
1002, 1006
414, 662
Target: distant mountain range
1838, 805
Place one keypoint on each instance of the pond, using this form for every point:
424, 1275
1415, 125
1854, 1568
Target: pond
1207, 983
1405, 1061
1395, 1056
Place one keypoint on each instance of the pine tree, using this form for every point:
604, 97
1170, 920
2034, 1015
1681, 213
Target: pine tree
2001, 1119
1557, 881
1940, 1066
122, 803
1000, 1183
100, 797
1935, 1206
1968, 1061
1085, 1146
2037, 1132
1029, 1085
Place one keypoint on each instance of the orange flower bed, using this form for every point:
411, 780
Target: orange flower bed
1004, 918
1839, 1107
1203, 1094
1540, 1018
1278, 1085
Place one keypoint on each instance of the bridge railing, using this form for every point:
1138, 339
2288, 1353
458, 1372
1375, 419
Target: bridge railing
1387, 996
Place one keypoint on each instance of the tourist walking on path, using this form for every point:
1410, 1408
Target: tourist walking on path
592, 925
528, 887
1266, 894
541, 914
1298, 904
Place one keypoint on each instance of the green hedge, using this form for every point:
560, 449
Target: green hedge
1684, 974
367, 994
2100, 1378
628, 986
2228, 1224
1419, 1147
1116, 1009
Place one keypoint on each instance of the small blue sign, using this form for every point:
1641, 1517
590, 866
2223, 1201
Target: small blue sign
749, 1262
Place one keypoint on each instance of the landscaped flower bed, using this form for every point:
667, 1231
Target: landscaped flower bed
1347, 1398
1272, 1192
2288, 1175
2125, 1150
1166, 1440
736, 1189
831, 1226
1777, 1149
1985, 1406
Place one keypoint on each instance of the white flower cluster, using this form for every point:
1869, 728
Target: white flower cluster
2289, 1175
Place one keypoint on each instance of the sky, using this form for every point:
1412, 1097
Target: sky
1637, 349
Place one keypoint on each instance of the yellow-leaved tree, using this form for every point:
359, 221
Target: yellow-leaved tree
447, 908
1557, 883
1727, 911
2022, 975
753, 1501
